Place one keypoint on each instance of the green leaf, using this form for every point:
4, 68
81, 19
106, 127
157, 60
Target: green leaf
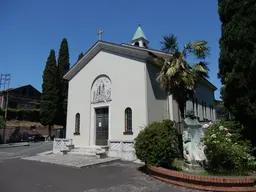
169, 43
171, 71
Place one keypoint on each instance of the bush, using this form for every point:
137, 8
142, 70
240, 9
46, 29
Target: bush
1, 112
23, 114
225, 151
158, 144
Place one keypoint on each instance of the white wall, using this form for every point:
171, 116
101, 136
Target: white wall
204, 94
156, 97
128, 90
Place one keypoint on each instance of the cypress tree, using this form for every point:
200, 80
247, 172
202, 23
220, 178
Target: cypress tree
63, 67
237, 62
80, 56
50, 92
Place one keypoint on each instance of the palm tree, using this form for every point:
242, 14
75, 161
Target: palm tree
177, 77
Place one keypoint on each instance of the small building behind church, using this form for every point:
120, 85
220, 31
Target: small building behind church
113, 94
23, 97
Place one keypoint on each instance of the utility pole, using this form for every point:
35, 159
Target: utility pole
5, 83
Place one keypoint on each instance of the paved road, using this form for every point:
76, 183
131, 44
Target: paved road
28, 176
24, 151
31, 176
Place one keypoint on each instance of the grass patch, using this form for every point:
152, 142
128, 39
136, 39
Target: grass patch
177, 165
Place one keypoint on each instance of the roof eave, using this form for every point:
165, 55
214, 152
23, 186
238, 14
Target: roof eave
204, 79
102, 45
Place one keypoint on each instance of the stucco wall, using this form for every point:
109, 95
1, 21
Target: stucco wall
156, 98
175, 109
204, 95
128, 90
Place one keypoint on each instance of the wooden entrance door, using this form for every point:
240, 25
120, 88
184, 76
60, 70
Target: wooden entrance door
101, 126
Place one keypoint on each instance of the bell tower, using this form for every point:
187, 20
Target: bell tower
139, 39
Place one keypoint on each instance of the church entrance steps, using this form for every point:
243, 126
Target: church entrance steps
95, 151
87, 154
93, 147
88, 150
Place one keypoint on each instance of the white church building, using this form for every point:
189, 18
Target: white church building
113, 94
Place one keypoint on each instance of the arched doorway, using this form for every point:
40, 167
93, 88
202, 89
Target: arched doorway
100, 99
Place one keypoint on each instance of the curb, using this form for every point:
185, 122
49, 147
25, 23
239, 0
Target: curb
100, 163
208, 183
45, 153
14, 145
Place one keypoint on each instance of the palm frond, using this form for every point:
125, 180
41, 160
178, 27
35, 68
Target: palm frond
171, 71
200, 49
163, 81
183, 64
187, 49
201, 69
158, 61
189, 79
201, 66
169, 44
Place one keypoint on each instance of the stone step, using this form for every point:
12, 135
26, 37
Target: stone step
83, 153
90, 147
71, 146
88, 150
90, 154
92, 151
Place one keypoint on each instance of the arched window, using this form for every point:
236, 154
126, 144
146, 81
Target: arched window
137, 44
128, 121
77, 124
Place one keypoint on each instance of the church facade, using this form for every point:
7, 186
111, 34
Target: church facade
113, 94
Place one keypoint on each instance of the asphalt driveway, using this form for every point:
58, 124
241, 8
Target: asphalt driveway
30, 176
24, 151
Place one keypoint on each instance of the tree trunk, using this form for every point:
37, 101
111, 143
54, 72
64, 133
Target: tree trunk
50, 130
181, 105
64, 132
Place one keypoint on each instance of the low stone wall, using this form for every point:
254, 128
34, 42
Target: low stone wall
209, 183
121, 149
59, 144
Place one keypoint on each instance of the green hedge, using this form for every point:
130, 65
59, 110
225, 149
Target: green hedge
158, 144
22, 114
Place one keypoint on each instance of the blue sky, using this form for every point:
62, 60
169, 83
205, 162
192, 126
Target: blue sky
29, 29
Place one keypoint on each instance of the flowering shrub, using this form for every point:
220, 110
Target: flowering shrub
225, 152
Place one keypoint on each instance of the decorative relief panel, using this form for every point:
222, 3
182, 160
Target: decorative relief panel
101, 90
128, 146
114, 145
60, 144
